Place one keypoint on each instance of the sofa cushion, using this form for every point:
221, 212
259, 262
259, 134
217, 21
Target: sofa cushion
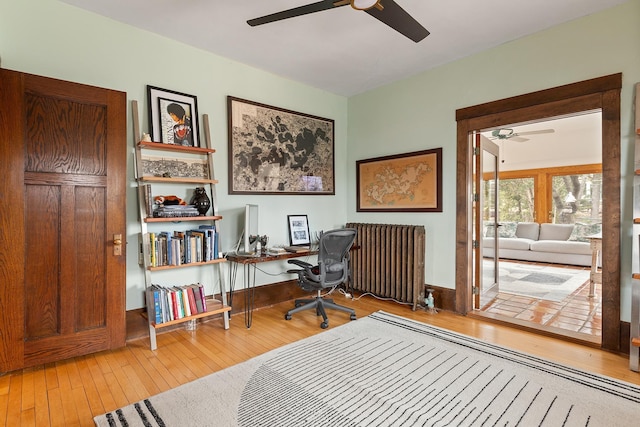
528, 230
510, 243
555, 231
561, 247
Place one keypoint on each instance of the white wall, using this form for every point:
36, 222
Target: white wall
57, 40
419, 113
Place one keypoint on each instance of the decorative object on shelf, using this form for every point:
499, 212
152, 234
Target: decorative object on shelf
263, 244
200, 200
174, 167
173, 117
410, 182
278, 151
146, 137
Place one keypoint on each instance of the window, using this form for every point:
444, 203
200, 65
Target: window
547, 195
516, 200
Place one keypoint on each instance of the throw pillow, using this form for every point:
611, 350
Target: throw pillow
528, 230
555, 231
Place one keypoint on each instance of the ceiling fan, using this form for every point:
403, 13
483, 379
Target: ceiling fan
505, 133
386, 11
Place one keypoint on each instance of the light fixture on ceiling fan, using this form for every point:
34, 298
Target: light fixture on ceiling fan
386, 11
361, 4
506, 133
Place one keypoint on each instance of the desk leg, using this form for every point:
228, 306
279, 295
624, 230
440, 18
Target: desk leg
249, 292
233, 272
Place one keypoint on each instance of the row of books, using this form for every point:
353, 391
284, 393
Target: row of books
183, 247
167, 303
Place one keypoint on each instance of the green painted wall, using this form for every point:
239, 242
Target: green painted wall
419, 113
53, 39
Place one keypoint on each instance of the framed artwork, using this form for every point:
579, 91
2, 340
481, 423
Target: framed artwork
278, 151
299, 230
410, 182
173, 117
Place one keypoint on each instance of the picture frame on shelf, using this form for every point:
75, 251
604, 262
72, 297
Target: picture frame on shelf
277, 151
419, 173
173, 117
299, 230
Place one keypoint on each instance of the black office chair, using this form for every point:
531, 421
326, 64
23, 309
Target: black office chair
331, 271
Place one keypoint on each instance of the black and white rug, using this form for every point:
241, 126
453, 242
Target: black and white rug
385, 370
540, 281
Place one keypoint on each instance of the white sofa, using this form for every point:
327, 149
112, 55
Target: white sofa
541, 243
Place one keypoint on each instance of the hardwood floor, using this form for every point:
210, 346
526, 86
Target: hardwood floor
72, 392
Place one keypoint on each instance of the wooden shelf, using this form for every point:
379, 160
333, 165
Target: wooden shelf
178, 180
184, 218
189, 264
635, 342
176, 148
636, 276
213, 307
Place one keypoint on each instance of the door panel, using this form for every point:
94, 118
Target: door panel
486, 220
72, 173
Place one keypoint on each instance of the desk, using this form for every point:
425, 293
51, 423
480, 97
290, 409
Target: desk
595, 241
250, 276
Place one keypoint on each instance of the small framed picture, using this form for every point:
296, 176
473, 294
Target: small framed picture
173, 117
299, 230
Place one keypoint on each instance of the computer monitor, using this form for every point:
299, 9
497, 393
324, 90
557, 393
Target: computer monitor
250, 228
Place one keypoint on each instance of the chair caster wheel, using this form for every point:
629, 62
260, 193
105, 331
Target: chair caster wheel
352, 317
324, 325
287, 317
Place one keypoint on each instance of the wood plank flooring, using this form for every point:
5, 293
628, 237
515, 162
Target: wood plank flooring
72, 392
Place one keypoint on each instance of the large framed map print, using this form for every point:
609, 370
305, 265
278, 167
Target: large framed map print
410, 182
278, 151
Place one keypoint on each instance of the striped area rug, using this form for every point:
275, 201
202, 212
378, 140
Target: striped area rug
385, 370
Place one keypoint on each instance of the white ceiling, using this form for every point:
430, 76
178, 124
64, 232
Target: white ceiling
575, 140
342, 50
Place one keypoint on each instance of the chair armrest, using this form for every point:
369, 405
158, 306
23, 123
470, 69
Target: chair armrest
300, 263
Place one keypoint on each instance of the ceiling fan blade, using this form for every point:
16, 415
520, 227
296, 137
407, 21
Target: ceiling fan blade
536, 132
398, 19
296, 11
518, 139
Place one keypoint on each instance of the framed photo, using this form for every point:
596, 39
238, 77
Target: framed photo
278, 151
410, 182
173, 117
299, 230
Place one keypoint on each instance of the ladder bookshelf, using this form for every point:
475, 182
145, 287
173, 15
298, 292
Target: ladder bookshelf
634, 350
201, 252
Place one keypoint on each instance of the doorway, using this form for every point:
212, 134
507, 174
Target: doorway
601, 94
549, 175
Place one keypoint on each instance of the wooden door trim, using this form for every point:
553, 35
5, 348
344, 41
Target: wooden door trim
11, 271
601, 93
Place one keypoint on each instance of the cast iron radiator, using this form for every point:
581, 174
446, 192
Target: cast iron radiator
389, 261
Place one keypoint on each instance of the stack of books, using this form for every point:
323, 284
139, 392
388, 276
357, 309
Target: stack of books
175, 211
167, 303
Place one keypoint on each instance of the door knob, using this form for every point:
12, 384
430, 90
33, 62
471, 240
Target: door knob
117, 244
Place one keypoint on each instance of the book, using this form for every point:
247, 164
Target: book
185, 301
296, 249
197, 297
276, 251
193, 308
203, 297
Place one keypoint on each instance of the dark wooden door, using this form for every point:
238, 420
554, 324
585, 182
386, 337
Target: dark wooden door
62, 186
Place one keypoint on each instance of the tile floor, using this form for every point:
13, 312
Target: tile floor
577, 313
